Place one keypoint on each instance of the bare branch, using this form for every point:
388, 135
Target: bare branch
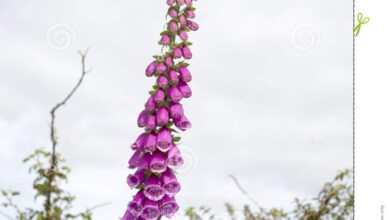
245, 192
53, 136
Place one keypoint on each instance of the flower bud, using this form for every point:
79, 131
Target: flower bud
173, 26
150, 105
182, 20
162, 81
184, 89
177, 53
162, 116
174, 94
161, 67
135, 160
151, 123
172, 12
142, 118
186, 53
185, 74
159, 96
190, 14
165, 40
183, 35
188, 2
173, 76
176, 111
180, 2
151, 69
170, 2
145, 162
169, 61
193, 26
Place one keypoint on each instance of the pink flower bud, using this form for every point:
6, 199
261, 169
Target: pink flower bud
165, 40
180, 2
161, 67
151, 69
169, 61
162, 81
192, 25
173, 76
183, 35
162, 116
173, 26
182, 20
188, 2
185, 74
177, 53
142, 119
151, 123
186, 53
174, 94
170, 2
172, 12
185, 89
159, 96
190, 13
150, 105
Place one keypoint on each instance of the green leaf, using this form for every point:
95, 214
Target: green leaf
176, 139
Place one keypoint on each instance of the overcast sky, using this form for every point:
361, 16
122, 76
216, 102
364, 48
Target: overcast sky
271, 104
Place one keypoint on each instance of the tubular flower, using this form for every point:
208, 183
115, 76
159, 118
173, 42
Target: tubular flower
139, 143
153, 189
156, 154
164, 140
157, 163
168, 206
174, 158
170, 183
183, 124
135, 206
134, 180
